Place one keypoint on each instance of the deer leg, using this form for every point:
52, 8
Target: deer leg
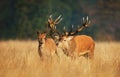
90, 54
58, 57
39, 51
56, 53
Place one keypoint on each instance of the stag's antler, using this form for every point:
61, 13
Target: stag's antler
52, 23
52, 27
86, 23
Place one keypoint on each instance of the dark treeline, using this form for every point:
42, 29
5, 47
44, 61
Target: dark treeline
20, 19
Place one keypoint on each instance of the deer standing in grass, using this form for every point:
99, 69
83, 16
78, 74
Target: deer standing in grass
77, 45
47, 46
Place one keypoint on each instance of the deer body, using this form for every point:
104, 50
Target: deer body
79, 45
47, 46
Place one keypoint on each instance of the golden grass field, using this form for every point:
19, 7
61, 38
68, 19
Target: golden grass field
21, 59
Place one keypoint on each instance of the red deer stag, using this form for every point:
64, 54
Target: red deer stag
52, 32
47, 46
78, 45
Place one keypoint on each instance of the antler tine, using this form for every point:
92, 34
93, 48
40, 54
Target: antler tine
50, 19
64, 29
83, 20
58, 19
50, 16
70, 32
86, 22
55, 27
87, 18
72, 26
65, 32
59, 16
89, 21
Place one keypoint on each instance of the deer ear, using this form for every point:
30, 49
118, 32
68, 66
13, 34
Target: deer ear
38, 33
44, 34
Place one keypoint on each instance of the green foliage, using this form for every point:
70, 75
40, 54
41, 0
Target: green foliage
22, 18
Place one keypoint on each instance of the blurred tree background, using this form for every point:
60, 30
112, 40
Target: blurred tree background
20, 19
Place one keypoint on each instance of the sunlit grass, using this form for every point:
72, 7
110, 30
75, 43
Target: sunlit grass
21, 59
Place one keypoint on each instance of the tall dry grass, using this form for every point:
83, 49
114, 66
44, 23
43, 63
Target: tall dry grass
21, 59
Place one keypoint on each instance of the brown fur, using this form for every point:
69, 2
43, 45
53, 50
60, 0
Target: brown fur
78, 45
47, 46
